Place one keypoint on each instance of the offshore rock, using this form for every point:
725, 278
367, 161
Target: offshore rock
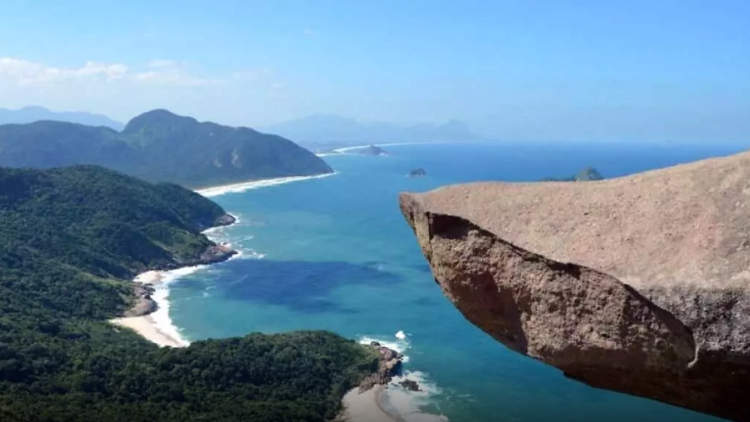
638, 284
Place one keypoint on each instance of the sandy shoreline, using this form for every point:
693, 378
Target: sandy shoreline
366, 407
146, 327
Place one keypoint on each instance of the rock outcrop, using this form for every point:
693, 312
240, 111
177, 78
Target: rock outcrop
225, 220
639, 284
410, 385
389, 365
143, 304
417, 173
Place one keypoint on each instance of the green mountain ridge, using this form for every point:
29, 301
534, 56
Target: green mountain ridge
160, 146
72, 238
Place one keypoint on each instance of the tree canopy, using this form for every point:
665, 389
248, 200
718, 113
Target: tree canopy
70, 241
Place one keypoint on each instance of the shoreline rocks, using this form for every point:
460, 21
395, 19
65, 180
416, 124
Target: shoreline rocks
389, 365
215, 253
410, 385
225, 220
638, 284
144, 304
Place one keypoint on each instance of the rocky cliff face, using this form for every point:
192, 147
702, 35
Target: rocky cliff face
639, 284
389, 365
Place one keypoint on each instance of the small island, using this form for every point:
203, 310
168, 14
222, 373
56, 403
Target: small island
417, 173
372, 150
588, 174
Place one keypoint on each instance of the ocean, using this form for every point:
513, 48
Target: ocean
334, 253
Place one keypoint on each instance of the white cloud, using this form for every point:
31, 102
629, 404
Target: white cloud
123, 90
27, 73
164, 72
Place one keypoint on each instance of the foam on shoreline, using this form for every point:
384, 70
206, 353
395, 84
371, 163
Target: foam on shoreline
395, 400
255, 184
158, 326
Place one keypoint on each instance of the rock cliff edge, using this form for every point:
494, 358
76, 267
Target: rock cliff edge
638, 284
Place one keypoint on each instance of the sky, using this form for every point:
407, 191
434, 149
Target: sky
635, 70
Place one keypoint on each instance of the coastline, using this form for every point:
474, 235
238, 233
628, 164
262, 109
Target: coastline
146, 327
366, 406
156, 325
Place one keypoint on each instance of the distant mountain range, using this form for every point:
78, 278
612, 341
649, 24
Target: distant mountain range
35, 114
331, 130
160, 146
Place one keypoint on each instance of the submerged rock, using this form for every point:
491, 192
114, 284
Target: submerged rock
417, 173
639, 284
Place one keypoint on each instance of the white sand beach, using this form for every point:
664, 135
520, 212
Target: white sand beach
365, 407
146, 327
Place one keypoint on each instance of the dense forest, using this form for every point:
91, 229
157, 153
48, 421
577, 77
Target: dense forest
160, 146
70, 240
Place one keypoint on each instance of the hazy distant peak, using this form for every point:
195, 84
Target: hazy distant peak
321, 128
30, 114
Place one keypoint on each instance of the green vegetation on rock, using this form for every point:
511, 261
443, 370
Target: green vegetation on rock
160, 146
71, 239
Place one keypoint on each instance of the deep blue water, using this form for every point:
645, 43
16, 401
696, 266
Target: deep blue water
339, 256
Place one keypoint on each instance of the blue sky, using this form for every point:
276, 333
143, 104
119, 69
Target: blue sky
555, 70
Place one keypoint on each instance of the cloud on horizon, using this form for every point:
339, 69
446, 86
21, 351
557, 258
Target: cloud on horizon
123, 90
25, 73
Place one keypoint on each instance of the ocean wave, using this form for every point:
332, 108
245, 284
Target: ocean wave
400, 345
407, 404
161, 280
161, 318
245, 186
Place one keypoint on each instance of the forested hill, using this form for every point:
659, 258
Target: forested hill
160, 146
70, 240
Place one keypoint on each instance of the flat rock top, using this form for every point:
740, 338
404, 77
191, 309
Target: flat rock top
683, 225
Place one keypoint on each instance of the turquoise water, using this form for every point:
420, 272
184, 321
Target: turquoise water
335, 254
